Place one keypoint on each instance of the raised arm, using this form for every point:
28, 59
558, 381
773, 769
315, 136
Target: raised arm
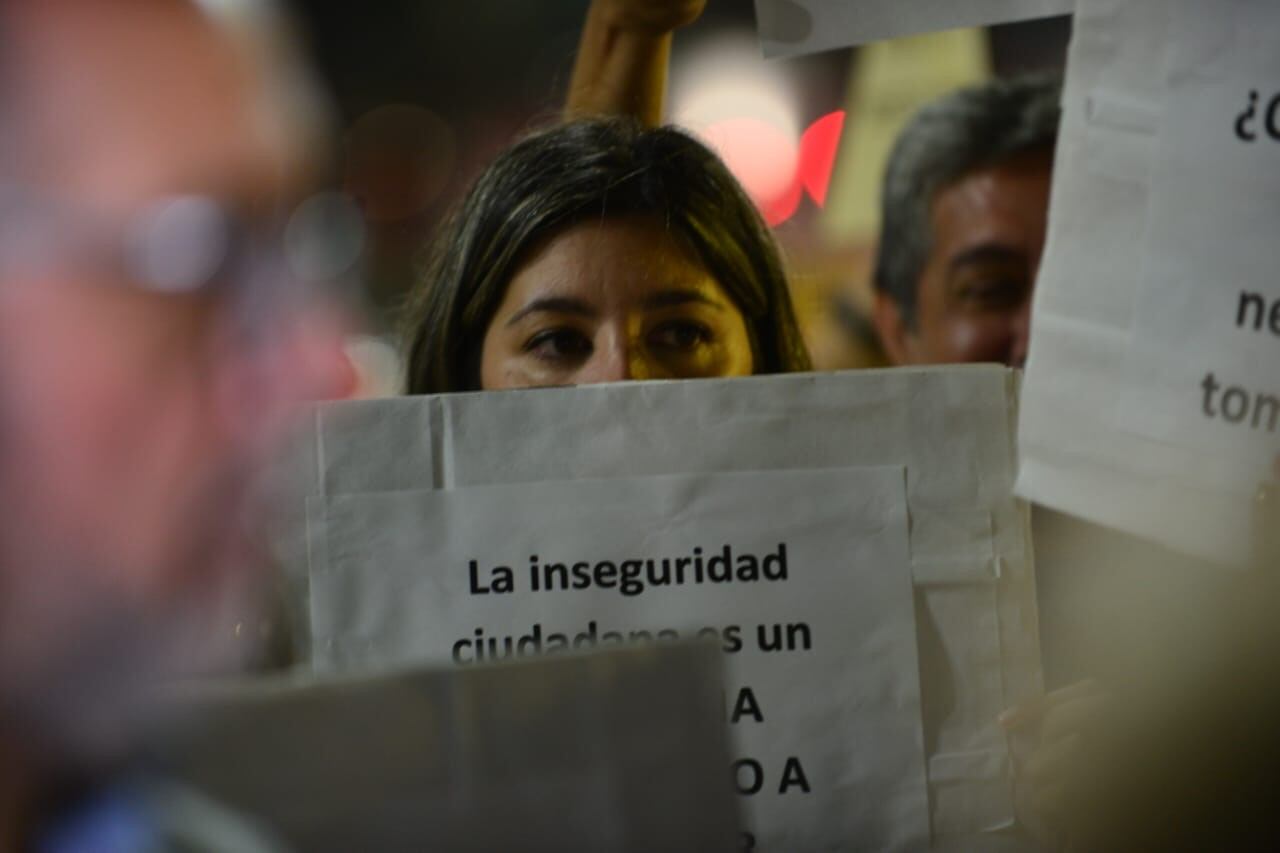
623, 56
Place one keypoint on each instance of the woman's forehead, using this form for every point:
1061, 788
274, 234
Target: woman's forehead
620, 258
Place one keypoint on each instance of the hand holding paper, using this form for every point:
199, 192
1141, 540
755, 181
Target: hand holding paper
1050, 739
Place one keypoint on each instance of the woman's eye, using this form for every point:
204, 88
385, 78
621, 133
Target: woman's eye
559, 345
680, 335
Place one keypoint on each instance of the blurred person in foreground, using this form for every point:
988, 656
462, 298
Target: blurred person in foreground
1185, 758
152, 353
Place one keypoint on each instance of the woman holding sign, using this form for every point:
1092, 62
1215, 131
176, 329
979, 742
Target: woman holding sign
601, 251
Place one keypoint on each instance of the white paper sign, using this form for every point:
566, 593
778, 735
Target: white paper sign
795, 27
1207, 334
800, 576
950, 427
1149, 398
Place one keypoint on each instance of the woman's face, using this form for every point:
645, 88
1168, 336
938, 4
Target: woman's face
609, 300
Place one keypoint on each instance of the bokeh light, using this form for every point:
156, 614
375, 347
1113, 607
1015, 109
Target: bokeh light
324, 237
400, 158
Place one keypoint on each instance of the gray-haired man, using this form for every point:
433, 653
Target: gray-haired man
966, 198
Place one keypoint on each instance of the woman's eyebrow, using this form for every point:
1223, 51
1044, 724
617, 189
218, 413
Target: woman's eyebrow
676, 297
553, 305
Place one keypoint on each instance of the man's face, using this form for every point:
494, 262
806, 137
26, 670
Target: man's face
973, 302
131, 421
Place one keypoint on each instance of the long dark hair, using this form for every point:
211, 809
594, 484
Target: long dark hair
592, 169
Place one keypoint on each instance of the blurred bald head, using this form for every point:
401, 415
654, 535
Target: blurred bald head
94, 92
